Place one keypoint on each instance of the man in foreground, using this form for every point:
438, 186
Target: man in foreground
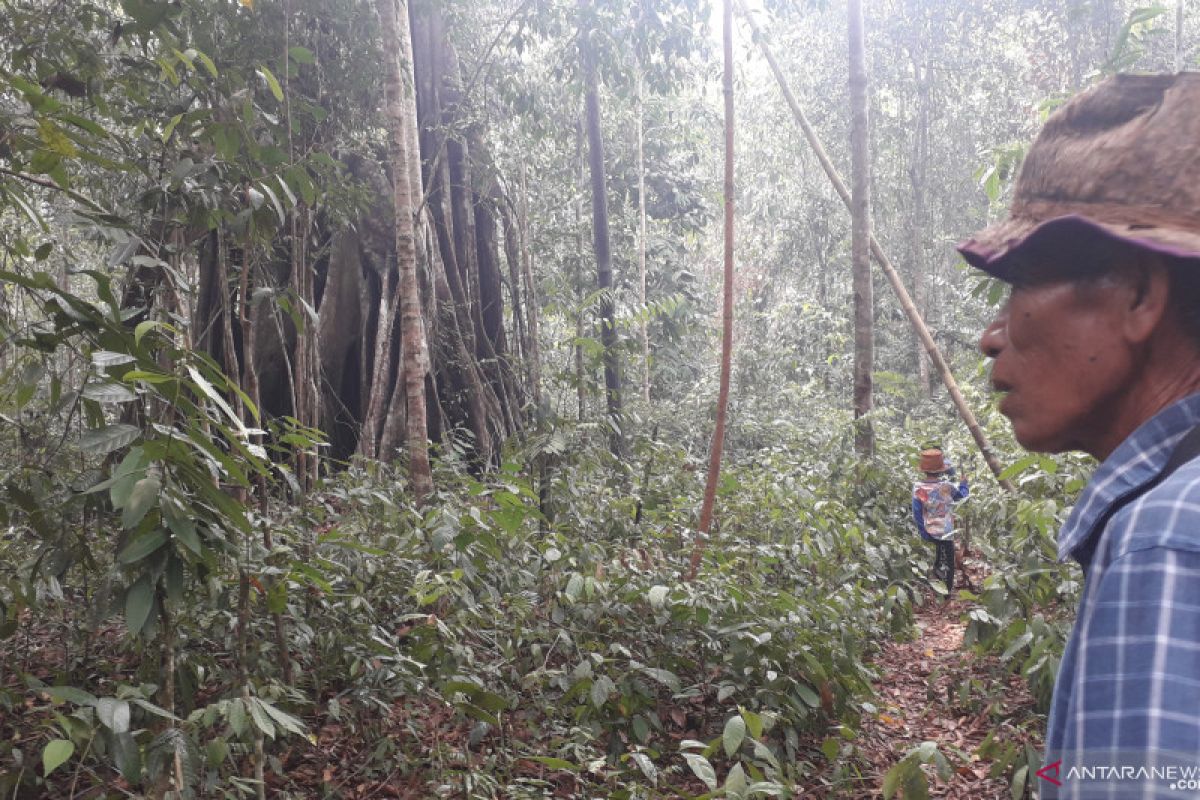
1098, 349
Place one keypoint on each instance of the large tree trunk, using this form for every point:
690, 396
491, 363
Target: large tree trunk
402, 110
860, 228
600, 242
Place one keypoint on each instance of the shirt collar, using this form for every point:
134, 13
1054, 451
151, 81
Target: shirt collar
1136, 461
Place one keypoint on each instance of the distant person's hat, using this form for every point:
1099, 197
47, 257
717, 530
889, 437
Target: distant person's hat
1119, 162
933, 460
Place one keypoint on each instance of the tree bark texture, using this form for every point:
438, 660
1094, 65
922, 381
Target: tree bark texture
860, 233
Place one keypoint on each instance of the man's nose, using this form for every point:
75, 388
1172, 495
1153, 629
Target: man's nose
994, 335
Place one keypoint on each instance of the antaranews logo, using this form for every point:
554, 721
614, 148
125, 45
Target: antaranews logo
1094, 777
1049, 773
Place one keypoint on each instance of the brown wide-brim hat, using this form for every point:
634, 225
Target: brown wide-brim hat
1119, 161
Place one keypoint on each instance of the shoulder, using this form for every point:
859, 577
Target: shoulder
1167, 516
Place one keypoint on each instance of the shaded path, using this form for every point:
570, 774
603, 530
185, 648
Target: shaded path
932, 689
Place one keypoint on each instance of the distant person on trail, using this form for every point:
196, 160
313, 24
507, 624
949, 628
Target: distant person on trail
933, 502
1098, 349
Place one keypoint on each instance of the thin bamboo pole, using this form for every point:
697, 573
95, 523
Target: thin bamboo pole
906, 303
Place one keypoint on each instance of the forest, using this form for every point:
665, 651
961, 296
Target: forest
522, 398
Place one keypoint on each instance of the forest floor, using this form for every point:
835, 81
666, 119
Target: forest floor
932, 689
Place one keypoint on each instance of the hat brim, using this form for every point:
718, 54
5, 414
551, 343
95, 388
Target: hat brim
995, 249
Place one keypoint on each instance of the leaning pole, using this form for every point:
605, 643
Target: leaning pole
884, 262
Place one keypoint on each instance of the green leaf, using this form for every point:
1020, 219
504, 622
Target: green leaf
55, 754
733, 735
107, 358
1017, 789
167, 131
109, 393
702, 770
735, 782
70, 694
142, 546
895, 776
138, 602
602, 687
808, 695
113, 713
143, 497
285, 720
646, 766
302, 55
128, 756
260, 719
754, 723
185, 531
102, 441
276, 89
237, 716
831, 748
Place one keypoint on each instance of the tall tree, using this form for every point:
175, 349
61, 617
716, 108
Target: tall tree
860, 212
600, 237
402, 111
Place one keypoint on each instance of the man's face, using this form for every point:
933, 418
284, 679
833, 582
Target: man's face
1061, 361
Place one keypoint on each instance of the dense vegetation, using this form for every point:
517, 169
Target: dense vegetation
217, 575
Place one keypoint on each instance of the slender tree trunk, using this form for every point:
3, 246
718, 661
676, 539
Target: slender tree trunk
860, 233
641, 166
531, 296
401, 106
919, 176
600, 244
883, 261
718, 440
580, 384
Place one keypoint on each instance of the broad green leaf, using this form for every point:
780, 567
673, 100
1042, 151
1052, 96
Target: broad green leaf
754, 723
285, 720
109, 393
702, 770
138, 602
71, 695
185, 531
107, 358
55, 754
808, 695
113, 713
237, 716
142, 546
735, 782
102, 441
143, 497
602, 687
733, 735
260, 719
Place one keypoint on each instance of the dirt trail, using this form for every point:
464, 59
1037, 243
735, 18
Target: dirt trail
932, 689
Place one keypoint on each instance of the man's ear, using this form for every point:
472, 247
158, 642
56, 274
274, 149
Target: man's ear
1150, 286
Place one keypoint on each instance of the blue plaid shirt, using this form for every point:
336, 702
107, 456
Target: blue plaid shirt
1128, 688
